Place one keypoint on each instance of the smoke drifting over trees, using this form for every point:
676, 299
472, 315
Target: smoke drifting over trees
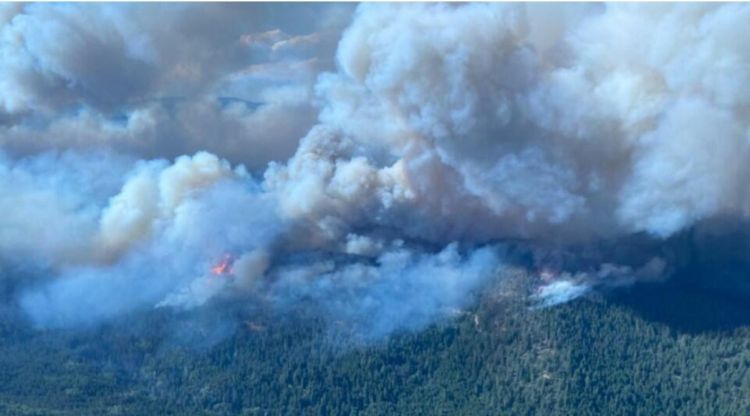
382, 162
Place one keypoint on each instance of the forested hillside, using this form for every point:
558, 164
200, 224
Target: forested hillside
650, 350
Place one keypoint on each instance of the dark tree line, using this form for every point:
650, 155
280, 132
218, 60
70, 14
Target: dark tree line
604, 356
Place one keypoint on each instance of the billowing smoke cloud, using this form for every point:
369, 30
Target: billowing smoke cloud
163, 80
594, 134
167, 224
176, 235
378, 170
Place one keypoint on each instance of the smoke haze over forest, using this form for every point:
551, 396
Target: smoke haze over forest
382, 161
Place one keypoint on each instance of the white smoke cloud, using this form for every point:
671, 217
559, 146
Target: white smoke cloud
403, 289
593, 134
162, 80
167, 226
558, 292
50, 204
566, 286
442, 130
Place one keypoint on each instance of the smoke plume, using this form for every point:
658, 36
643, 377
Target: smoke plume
381, 163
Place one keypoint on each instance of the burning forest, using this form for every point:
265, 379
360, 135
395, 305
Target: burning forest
384, 162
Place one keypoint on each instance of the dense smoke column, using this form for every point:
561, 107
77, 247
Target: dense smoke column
385, 162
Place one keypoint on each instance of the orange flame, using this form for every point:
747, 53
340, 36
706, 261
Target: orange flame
224, 267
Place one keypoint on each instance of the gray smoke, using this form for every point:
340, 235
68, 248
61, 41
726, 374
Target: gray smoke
377, 163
